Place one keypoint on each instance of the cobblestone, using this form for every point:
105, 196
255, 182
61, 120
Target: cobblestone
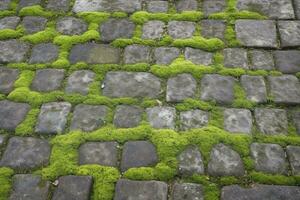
43, 53
161, 117
79, 81
47, 80
181, 29
34, 24
238, 120
287, 61
255, 88
13, 51
9, 22
190, 162
187, 191
127, 116
7, 79
193, 119
71, 26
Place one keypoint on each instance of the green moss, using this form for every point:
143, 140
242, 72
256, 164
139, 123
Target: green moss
5, 13
273, 179
216, 117
228, 180
43, 36
9, 34
190, 104
211, 190
94, 17
119, 15
241, 100
24, 79
230, 37
5, 182
27, 126
298, 74
236, 72
36, 10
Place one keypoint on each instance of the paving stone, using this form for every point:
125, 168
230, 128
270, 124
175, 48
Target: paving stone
94, 54
27, 3
255, 88
238, 120
293, 153
79, 81
271, 121
273, 9
266, 192
29, 187
127, 116
4, 4
269, 158
9, 22
88, 117
13, 51
181, 29
161, 117
33, 24
58, 5
26, 153
296, 6
193, 119
287, 61
137, 54
213, 28
153, 30
53, 118
186, 5
146, 190
190, 162
217, 88
165, 55
101, 153
44, 53
157, 6
235, 57
187, 191
256, 33
116, 28
7, 79
73, 187
47, 80
213, 6
131, 84
12, 114
225, 162
71, 26
261, 59
289, 33
285, 89
296, 120
138, 154
198, 56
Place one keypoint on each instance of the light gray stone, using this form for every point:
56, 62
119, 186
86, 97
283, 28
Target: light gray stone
287, 62
213, 28
293, 153
161, 117
198, 56
58, 5
137, 54
213, 6
47, 80
13, 51
34, 24
187, 191
186, 5
296, 7
190, 162
255, 88
153, 30
4, 4
165, 55
127, 116
7, 79
261, 59
238, 120
158, 6
79, 81
27, 3
44, 53
289, 33
71, 26
9, 22
193, 119
181, 29
235, 57
296, 120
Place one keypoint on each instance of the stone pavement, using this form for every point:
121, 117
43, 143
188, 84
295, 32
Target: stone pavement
149, 100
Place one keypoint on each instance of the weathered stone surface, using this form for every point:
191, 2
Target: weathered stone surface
293, 153
190, 162
187, 191
7, 79
138, 154
116, 28
71, 26
238, 120
289, 33
235, 57
161, 117
130, 84
158, 6
73, 187
296, 6
153, 30
193, 119
47, 80
26, 153
13, 51
79, 81
287, 61
218, 88
213, 28
213, 6
9, 22
181, 29
58, 5
53, 118
186, 5
165, 55
4, 4
44, 53
88, 117
296, 120
181, 87
29, 187
147, 190
271, 121
225, 162
94, 54
12, 114
285, 89
261, 59
255, 88
269, 158
33, 24
137, 54
198, 56
101, 153
127, 116
26, 3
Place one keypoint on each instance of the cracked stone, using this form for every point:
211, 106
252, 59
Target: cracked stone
79, 81
158, 6
27, 3
187, 191
186, 5
165, 55
181, 29
287, 62
58, 5
255, 88
235, 58
33, 24
13, 51
213, 6
193, 119
44, 53
137, 54
293, 153
213, 28
261, 59
9, 22
127, 116
4, 4
198, 56
238, 120
7, 79
289, 33
153, 30
71, 26
47, 80
161, 117
190, 162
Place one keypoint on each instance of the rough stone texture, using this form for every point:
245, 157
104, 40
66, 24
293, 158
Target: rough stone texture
116, 28
288, 61
33, 24
12, 114
26, 153
127, 116
269, 158
9, 22
193, 119
27, 3
138, 154
157, 6
47, 80
153, 30
71, 26
165, 55
146, 190
161, 117
181, 87
7, 79
218, 88
79, 81
296, 6
13, 51
88, 117
190, 162
73, 187
293, 153
235, 57
186, 5
213, 6
289, 33
53, 118
255, 88
296, 120
213, 28
4, 4
271, 121
29, 187
261, 59
44, 53
130, 84
238, 120
181, 29
187, 191
137, 54
58, 5
101, 153
198, 56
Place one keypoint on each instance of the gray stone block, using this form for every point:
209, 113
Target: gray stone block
213, 28
198, 56
289, 33
158, 6
4, 4
79, 82
13, 51
71, 26
255, 88
47, 80
181, 29
213, 6
127, 116
293, 153
7, 79
33, 24
261, 60
235, 57
44, 53
190, 162
165, 55
186, 5
9, 22
238, 120
161, 117
187, 191
153, 30
137, 54
193, 119
58, 5
287, 62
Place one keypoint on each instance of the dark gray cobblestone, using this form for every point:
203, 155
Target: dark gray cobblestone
7, 79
